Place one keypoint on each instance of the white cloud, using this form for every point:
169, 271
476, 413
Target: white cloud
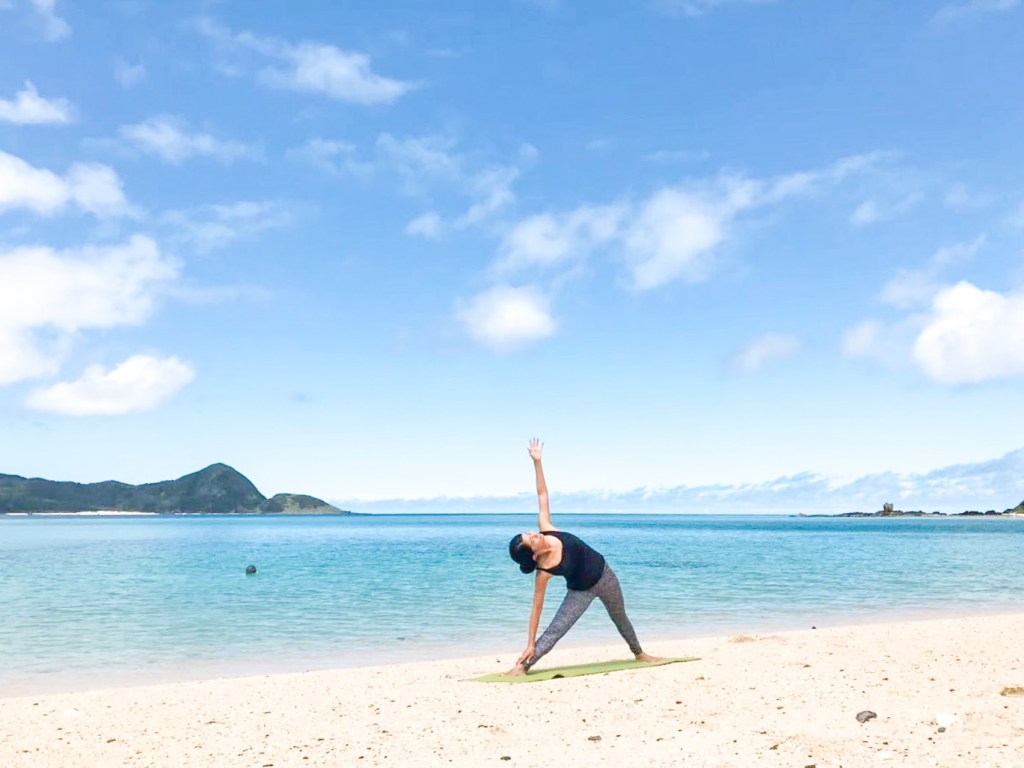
954, 11
311, 67
341, 75
672, 237
93, 188
507, 317
166, 138
215, 226
428, 225
22, 356
772, 346
865, 213
129, 75
547, 239
47, 297
972, 335
29, 108
140, 383
52, 26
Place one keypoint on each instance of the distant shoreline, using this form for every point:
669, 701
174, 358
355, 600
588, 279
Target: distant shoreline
123, 513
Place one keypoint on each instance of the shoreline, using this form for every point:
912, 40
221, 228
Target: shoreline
194, 670
943, 691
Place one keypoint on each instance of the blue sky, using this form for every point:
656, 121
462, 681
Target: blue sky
771, 250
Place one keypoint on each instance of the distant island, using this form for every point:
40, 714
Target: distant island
888, 511
218, 489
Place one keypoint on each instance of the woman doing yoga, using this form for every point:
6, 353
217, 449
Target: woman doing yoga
552, 552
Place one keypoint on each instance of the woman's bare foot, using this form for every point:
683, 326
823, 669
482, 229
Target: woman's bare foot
646, 657
518, 669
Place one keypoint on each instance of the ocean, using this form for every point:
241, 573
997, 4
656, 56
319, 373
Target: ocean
95, 601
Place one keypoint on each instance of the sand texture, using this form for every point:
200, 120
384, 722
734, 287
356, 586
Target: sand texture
946, 692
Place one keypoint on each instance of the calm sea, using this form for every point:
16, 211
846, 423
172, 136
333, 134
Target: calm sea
86, 602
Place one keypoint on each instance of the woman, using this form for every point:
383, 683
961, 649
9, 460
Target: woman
557, 553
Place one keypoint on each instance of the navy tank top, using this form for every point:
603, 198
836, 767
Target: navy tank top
582, 565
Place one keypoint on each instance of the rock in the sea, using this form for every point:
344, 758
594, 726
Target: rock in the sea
867, 714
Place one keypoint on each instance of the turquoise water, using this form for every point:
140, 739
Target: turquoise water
87, 601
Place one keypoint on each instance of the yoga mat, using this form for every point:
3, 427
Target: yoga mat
577, 670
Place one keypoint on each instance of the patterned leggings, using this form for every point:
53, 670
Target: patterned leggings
573, 606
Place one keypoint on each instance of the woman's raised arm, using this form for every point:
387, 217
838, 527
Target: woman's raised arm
544, 517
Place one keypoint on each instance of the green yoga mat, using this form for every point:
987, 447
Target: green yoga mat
577, 670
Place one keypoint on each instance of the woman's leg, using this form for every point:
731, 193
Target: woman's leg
572, 607
610, 592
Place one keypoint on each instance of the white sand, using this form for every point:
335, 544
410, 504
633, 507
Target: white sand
788, 699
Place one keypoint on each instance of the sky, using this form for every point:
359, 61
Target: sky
717, 254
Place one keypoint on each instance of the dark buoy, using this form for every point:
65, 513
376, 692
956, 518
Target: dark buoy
250, 570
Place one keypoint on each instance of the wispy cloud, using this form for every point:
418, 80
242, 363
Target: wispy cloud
772, 346
128, 75
140, 383
49, 297
308, 67
44, 13
427, 166
505, 317
332, 155
167, 138
957, 11
427, 225
959, 197
216, 226
995, 484
93, 188
910, 288
699, 7
549, 239
872, 210
674, 233
29, 108
54, 27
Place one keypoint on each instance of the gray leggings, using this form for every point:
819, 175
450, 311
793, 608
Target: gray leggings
576, 602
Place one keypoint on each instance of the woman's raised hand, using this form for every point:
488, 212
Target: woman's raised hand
536, 449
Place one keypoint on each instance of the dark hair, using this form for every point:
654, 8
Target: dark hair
522, 554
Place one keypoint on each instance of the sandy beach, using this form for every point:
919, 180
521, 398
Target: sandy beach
942, 690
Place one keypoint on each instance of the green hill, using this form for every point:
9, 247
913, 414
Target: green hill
217, 489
